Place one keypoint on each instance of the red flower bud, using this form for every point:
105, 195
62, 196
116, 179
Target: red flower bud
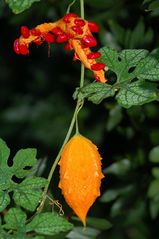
94, 55
77, 29
67, 17
97, 78
79, 22
16, 46
68, 46
25, 31
97, 66
89, 41
23, 49
48, 37
35, 32
93, 26
57, 31
62, 38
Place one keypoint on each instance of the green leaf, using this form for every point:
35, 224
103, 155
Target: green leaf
154, 5
28, 193
15, 218
129, 38
116, 208
154, 208
48, 224
109, 195
96, 92
22, 159
137, 93
86, 233
4, 200
154, 155
19, 6
145, 1
148, 68
153, 191
37, 237
133, 68
4, 235
115, 117
5, 174
155, 172
138, 34
121, 63
112, 194
119, 168
99, 223
117, 30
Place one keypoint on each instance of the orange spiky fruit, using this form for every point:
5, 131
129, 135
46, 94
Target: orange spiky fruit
80, 174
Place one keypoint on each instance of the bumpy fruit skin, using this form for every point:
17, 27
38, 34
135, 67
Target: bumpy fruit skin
80, 174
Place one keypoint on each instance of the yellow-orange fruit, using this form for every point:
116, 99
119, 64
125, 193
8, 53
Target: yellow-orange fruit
80, 174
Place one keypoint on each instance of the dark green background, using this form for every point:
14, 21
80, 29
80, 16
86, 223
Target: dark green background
36, 107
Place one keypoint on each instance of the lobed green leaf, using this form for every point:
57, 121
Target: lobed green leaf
5, 173
4, 200
28, 193
48, 224
15, 218
137, 93
96, 92
137, 75
23, 158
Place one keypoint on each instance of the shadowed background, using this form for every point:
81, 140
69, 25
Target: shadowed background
36, 107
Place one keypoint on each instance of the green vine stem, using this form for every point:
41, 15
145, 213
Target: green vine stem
82, 8
74, 120
70, 5
39, 209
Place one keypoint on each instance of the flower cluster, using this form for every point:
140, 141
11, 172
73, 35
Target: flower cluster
72, 30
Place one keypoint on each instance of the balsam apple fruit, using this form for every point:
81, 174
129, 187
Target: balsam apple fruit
80, 174
72, 30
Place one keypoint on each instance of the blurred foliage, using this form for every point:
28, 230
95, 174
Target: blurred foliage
36, 108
